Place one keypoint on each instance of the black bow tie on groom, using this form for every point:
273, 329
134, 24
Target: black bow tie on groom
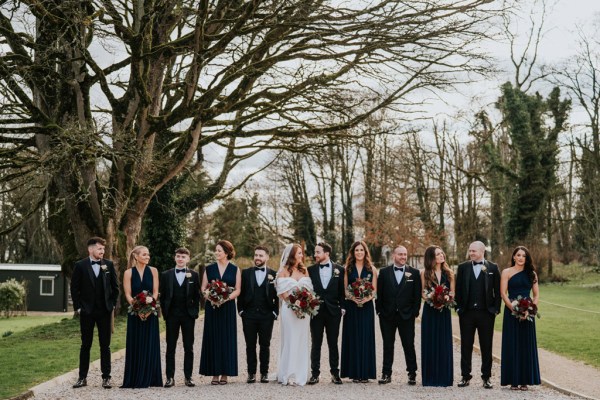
259, 269
179, 270
477, 262
401, 269
323, 265
95, 263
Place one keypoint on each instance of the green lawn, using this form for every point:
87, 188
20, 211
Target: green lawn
565, 331
21, 323
41, 353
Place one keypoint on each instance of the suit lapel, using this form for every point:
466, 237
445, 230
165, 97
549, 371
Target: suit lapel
186, 283
88, 266
485, 276
468, 279
317, 272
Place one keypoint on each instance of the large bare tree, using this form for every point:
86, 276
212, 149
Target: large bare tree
105, 101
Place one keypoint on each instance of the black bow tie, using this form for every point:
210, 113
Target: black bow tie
95, 263
477, 262
323, 265
179, 270
401, 269
259, 269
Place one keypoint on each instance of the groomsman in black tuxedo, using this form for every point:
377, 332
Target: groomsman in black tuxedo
328, 282
180, 304
94, 291
258, 305
477, 304
398, 304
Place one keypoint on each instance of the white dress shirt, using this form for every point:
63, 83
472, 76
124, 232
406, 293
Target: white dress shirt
260, 275
477, 269
95, 267
325, 273
180, 275
399, 274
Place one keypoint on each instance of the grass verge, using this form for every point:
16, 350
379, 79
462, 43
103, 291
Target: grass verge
41, 353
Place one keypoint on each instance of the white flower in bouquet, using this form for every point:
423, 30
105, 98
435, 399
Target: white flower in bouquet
149, 299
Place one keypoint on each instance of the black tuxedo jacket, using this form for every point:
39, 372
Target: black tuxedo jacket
83, 282
492, 286
249, 289
332, 296
404, 299
192, 292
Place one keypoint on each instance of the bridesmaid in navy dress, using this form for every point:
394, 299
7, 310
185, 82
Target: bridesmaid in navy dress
142, 354
437, 367
520, 365
219, 341
358, 332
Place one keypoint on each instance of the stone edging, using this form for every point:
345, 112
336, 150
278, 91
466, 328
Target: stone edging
545, 382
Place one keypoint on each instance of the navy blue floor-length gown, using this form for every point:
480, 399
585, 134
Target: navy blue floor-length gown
358, 336
437, 367
219, 340
142, 353
520, 364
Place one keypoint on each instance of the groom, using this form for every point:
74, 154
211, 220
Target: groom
94, 291
258, 305
477, 304
328, 282
180, 298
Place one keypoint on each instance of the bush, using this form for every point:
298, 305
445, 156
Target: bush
12, 296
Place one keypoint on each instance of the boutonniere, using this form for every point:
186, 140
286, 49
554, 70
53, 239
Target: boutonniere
270, 278
336, 273
408, 275
104, 268
483, 268
188, 274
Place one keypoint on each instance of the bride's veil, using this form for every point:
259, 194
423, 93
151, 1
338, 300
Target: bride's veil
285, 255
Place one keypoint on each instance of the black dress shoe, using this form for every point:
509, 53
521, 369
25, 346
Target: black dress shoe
336, 379
170, 382
251, 378
464, 382
487, 383
313, 379
412, 380
80, 383
264, 378
106, 384
385, 379
189, 382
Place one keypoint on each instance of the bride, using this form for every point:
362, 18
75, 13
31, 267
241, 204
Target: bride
294, 346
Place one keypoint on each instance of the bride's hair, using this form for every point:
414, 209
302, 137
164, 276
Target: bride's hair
290, 263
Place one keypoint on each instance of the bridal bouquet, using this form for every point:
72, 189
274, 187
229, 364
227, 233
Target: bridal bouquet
524, 309
361, 289
439, 297
143, 305
303, 302
217, 292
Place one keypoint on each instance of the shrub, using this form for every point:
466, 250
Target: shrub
12, 296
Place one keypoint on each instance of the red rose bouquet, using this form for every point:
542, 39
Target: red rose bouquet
524, 309
439, 297
217, 292
143, 305
303, 302
361, 289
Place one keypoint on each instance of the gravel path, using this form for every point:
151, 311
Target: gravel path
60, 388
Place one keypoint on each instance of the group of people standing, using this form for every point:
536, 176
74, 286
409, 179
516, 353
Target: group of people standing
262, 293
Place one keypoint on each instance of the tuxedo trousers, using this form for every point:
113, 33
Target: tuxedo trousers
406, 329
260, 329
481, 321
175, 324
329, 324
87, 322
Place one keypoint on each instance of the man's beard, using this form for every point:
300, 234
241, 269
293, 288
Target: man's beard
258, 263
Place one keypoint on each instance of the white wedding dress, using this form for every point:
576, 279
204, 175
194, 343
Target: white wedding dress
294, 348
